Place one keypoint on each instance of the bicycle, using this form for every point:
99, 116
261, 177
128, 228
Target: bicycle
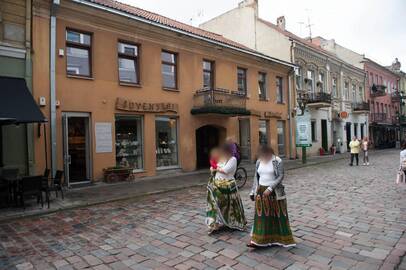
240, 176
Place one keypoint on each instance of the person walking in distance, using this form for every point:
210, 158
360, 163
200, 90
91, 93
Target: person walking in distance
354, 148
364, 146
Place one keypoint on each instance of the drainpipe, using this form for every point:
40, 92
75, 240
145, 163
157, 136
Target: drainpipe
292, 71
52, 93
28, 79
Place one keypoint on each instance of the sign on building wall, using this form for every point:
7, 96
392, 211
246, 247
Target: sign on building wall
104, 138
303, 130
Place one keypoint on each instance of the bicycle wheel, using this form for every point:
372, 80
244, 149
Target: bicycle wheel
240, 177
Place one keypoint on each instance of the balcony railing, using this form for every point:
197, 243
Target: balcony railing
395, 96
380, 118
378, 90
360, 107
319, 99
219, 101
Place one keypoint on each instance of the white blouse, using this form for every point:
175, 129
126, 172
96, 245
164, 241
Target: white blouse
266, 173
229, 169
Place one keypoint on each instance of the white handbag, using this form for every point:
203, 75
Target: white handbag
400, 178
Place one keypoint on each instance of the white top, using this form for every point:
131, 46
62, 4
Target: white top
365, 145
266, 173
402, 157
229, 169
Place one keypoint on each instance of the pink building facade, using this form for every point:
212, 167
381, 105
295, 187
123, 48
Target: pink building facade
383, 97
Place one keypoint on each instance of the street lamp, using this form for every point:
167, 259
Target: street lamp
302, 98
401, 96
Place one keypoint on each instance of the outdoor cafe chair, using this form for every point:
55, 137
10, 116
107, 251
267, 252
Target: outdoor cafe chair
30, 186
45, 185
56, 183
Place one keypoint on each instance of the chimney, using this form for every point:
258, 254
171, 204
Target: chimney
281, 22
250, 3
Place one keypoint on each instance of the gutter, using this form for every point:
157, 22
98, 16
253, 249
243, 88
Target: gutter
179, 31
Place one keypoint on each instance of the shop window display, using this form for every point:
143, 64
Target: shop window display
129, 142
166, 142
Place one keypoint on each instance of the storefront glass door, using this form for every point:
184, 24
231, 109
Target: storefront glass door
245, 140
76, 135
281, 138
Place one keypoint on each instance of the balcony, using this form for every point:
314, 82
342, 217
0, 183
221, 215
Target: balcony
319, 100
380, 118
219, 101
395, 96
378, 90
360, 107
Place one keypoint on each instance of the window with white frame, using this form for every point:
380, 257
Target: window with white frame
299, 78
310, 81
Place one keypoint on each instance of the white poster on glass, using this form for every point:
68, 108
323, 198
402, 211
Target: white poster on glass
104, 137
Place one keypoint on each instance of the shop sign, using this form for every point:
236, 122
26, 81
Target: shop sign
343, 115
133, 106
272, 114
104, 138
303, 130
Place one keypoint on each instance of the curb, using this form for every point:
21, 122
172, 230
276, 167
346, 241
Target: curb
136, 197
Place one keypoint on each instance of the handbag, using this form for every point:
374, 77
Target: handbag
400, 177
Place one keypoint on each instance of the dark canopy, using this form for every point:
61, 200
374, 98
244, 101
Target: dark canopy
17, 106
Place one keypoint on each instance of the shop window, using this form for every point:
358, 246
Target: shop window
208, 74
78, 53
279, 89
242, 81
263, 132
169, 70
281, 138
128, 64
129, 141
166, 136
262, 85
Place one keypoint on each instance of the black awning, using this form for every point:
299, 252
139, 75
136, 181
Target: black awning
17, 106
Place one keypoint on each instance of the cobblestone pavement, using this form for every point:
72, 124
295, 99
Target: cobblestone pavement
343, 218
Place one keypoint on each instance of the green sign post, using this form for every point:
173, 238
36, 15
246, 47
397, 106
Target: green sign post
303, 133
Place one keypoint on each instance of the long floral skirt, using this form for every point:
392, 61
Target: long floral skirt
224, 205
271, 221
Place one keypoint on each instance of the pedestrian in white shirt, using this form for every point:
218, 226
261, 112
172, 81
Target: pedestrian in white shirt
364, 147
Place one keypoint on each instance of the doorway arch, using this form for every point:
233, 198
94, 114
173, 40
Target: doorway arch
207, 137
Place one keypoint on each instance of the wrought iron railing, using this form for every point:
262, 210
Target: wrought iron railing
360, 106
378, 90
395, 96
219, 97
380, 117
319, 97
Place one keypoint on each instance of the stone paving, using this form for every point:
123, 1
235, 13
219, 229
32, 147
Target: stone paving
343, 218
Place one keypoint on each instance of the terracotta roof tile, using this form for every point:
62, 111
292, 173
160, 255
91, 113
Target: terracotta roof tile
153, 17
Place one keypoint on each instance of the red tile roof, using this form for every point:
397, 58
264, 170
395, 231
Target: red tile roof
153, 17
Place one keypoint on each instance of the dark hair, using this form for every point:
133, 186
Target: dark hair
265, 150
403, 145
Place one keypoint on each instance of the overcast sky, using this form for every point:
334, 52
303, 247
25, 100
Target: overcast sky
376, 28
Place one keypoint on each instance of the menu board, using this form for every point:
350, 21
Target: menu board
104, 137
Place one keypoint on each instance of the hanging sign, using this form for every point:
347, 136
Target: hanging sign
343, 115
303, 130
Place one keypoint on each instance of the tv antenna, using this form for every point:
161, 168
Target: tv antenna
309, 25
196, 17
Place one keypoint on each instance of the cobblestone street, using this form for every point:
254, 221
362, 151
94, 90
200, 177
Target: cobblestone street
342, 217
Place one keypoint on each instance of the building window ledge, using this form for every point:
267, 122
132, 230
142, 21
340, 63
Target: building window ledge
127, 84
80, 77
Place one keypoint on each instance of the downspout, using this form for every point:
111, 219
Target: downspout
291, 119
52, 93
28, 79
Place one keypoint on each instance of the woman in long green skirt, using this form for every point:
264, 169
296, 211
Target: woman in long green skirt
271, 220
224, 205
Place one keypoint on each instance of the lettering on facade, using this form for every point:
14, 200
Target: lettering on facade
132, 106
272, 114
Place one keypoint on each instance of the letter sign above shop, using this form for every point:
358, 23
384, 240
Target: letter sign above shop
132, 106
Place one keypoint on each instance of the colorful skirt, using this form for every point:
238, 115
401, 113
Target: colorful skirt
224, 205
271, 221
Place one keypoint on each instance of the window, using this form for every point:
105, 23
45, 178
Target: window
361, 93
281, 138
242, 80
334, 87
313, 126
208, 74
376, 79
128, 64
129, 141
310, 81
321, 81
78, 53
279, 90
347, 90
166, 136
263, 132
299, 79
356, 129
169, 70
354, 93
262, 86
371, 79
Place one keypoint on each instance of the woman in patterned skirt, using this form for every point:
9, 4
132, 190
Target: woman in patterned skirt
224, 205
271, 221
